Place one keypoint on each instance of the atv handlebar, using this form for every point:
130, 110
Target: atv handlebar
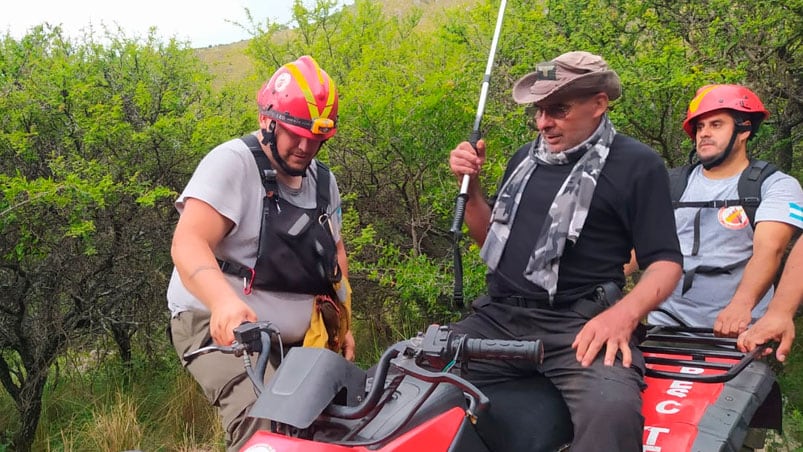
497, 349
440, 345
428, 357
439, 348
248, 338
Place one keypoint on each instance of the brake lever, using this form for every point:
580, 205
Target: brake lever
235, 349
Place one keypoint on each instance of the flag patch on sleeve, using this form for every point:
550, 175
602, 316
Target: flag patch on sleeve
796, 211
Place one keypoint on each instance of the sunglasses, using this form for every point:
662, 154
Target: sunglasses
554, 111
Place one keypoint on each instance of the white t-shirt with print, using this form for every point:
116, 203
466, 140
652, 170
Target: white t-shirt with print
726, 237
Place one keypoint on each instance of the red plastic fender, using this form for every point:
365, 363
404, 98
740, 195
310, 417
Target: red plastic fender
673, 408
436, 434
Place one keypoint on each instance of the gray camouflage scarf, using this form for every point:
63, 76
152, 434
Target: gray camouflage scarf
568, 211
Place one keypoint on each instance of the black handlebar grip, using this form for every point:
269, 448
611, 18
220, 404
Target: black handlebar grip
459, 214
498, 349
475, 136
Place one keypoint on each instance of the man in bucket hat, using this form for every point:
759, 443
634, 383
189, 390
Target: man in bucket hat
571, 205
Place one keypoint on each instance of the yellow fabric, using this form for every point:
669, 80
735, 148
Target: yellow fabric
316, 335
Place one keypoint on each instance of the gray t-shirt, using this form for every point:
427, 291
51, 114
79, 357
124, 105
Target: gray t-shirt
228, 180
726, 237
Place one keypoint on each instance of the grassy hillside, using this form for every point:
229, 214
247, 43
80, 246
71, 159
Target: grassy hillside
231, 63
227, 62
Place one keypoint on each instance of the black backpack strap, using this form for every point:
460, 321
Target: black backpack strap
749, 186
269, 207
688, 275
322, 200
322, 197
678, 178
266, 172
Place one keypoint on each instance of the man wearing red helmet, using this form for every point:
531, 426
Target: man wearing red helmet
258, 239
729, 264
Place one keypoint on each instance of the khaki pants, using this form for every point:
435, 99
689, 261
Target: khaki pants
221, 376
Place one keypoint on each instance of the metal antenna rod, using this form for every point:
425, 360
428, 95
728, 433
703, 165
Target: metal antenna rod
476, 134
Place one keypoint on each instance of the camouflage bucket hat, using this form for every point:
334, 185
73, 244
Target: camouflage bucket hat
569, 75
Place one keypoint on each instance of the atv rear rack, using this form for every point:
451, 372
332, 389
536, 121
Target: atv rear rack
694, 347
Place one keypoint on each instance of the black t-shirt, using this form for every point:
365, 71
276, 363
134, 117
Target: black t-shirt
631, 208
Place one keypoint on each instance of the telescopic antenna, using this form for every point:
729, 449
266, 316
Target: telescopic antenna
476, 134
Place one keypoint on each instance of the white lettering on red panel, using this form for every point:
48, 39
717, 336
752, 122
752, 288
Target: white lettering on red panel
650, 444
678, 389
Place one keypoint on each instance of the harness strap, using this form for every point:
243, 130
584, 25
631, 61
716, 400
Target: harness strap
322, 193
232, 268
270, 207
696, 245
688, 275
270, 203
752, 201
749, 186
247, 273
266, 171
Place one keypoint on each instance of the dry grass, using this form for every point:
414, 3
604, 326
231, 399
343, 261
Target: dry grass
113, 428
184, 422
189, 413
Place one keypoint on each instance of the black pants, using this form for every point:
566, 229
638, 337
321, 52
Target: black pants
604, 401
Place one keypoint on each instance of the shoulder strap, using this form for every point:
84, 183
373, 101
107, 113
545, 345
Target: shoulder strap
266, 173
322, 193
749, 186
678, 178
268, 176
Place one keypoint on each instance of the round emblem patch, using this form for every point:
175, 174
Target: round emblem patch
733, 217
282, 82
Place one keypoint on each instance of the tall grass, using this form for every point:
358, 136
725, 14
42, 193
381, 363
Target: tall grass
113, 428
149, 406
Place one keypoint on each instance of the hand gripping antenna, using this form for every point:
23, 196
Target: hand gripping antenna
476, 134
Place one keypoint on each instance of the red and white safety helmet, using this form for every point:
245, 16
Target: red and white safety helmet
303, 98
717, 97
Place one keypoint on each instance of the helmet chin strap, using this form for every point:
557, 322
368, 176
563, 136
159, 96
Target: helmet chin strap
718, 159
269, 139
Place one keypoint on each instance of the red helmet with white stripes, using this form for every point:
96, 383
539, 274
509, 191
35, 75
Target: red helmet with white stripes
303, 98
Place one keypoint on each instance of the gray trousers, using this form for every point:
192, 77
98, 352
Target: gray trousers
222, 378
604, 401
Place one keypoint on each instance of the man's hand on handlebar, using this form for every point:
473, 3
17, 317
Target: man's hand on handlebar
228, 316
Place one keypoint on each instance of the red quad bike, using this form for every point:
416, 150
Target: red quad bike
702, 395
